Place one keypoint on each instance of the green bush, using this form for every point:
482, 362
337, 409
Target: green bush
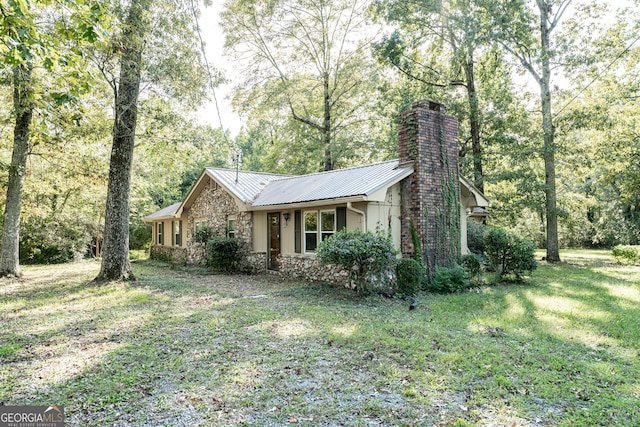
475, 237
409, 276
472, 263
509, 253
626, 255
362, 253
449, 280
223, 254
203, 234
53, 240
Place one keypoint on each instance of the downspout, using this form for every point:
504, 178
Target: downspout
359, 212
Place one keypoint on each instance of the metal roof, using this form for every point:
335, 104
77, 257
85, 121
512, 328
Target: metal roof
358, 181
258, 189
164, 212
249, 184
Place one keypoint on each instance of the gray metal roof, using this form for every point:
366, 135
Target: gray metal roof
164, 212
249, 184
263, 189
358, 181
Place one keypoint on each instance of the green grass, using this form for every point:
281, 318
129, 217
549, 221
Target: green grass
181, 347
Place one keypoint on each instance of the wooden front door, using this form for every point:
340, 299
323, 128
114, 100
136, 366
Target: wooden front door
273, 220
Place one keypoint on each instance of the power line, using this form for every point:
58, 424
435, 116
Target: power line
620, 55
206, 64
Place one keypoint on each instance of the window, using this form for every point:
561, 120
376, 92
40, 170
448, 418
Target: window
314, 232
160, 230
310, 231
327, 224
177, 233
231, 227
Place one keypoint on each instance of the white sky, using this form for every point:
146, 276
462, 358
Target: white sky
214, 42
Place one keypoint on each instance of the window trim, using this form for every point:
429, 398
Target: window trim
176, 227
160, 233
305, 232
319, 232
232, 232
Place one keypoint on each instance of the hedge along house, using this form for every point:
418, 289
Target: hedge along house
280, 219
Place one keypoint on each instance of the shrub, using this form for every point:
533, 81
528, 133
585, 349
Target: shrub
203, 234
472, 263
475, 239
223, 254
409, 276
509, 253
449, 280
53, 240
626, 255
363, 253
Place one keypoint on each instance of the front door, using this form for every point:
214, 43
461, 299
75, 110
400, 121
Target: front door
273, 219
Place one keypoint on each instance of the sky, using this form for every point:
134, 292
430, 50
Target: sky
214, 42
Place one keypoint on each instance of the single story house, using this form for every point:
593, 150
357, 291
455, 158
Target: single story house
281, 218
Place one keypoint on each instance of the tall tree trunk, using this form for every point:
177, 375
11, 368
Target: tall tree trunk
474, 122
115, 256
326, 126
553, 253
23, 106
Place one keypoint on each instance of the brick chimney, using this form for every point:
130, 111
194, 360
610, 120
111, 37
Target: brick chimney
428, 138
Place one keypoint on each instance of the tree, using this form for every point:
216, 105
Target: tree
307, 58
157, 46
531, 45
438, 45
115, 259
28, 41
23, 98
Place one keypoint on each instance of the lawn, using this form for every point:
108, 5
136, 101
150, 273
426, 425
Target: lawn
185, 348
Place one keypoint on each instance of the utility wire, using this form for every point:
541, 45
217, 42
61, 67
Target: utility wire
620, 55
206, 64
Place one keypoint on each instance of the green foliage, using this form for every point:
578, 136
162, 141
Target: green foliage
472, 263
475, 237
509, 253
52, 241
626, 255
139, 234
223, 254
449, 280
417, 243
203, 234
363, 253
409, 276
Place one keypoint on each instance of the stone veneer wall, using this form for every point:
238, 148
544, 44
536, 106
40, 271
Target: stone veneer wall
171, 254
429, 139
213, 206
309, 268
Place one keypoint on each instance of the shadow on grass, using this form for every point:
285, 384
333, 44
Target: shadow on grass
181, 349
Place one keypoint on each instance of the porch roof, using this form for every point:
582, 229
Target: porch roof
164, 213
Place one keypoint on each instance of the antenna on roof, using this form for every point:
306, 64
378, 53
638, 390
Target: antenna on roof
237, 159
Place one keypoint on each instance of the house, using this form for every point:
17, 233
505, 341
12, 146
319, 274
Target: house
280, 218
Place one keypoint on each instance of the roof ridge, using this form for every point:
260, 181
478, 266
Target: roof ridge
336, 170
252, 172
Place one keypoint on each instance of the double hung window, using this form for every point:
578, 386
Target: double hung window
318, 225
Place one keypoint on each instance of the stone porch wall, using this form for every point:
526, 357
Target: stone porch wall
172, 254
309, 268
